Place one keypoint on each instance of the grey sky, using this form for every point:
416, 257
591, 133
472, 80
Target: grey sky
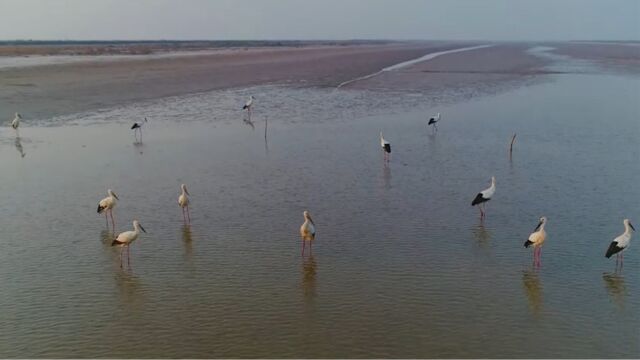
321, 19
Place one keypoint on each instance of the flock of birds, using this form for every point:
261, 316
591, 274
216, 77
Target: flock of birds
307, 229
539, 235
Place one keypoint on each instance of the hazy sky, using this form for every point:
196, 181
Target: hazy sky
321, 19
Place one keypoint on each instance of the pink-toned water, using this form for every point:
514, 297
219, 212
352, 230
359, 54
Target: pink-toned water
401, 267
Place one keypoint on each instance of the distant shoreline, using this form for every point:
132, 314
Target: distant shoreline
42, 87
146, 47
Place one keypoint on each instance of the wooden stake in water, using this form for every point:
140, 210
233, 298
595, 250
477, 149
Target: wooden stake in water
266, 123
513, 139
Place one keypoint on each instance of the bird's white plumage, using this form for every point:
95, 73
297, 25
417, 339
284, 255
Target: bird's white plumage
307, 229
624, 240
539, 236
183, 199
127, 237
16, 121
249, 102
488, 193
383, 142
107, 203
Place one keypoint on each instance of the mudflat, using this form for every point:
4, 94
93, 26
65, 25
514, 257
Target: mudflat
50, 90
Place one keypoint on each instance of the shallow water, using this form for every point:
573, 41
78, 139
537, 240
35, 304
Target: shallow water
401, 266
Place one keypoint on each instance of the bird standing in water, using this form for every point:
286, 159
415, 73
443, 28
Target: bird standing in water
15, 124
125, 239
537, 238
307, 231
183, 201
621, 243
137, 127
484, 196
386, 147
106, 206
434, 121
247, 106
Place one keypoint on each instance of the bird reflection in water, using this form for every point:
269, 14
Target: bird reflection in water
18, 144
129, 288
107, 237
481, 234
138, 146
266, 143
309, 267
533, 290
614, 283
187, 241
386, 176
247, 121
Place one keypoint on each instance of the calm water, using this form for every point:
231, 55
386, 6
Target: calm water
401, 266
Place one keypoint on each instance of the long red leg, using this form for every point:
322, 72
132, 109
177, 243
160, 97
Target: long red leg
106, 217
121, 250
183, 217
113, 223
539, 256
188, 215
303, 244
129, 256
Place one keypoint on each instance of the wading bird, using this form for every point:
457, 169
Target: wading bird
106, 205
537, 238
247, 106
307, 231
434, 121
386, 147
125, 239
484, 196
183, 201
621, 243
137, 127
15, 124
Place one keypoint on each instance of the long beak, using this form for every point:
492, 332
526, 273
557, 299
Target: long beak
141, 228
115, 196
538, 227
186, 191
634, 229
309, 217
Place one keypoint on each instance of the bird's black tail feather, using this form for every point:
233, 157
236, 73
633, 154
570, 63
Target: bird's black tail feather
479, 199
528, 243
115, 242
244, 107
100, 209
613, 249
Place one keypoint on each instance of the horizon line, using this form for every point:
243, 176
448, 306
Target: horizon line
311, 40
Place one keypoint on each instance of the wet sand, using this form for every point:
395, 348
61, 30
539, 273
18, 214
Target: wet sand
46, 91
42, 92
480, 69
623, 57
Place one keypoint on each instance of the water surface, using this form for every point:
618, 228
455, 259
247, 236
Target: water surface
402, 265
